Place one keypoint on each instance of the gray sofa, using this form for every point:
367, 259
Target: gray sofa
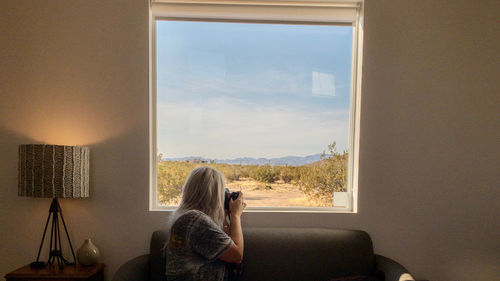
302, 254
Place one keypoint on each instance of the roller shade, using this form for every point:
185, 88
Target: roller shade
320, 11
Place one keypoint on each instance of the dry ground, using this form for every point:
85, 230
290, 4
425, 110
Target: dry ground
258, 194
279, 194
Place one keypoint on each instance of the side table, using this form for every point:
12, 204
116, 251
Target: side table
53, 273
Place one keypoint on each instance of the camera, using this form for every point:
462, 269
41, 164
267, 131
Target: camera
227, 196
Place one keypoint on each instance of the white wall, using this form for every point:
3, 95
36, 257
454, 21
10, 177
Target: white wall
76, 72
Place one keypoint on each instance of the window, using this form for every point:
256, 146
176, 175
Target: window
267, 92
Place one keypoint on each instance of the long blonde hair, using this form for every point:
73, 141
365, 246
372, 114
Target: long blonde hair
203, 191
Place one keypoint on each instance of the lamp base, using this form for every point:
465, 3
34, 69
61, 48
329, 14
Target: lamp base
37, 264
55, 253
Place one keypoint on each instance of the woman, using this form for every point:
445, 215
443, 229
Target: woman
198, 248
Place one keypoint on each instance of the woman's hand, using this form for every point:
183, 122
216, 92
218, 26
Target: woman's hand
236, 206
235, 253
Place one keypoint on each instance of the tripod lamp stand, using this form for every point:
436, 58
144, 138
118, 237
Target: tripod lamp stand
54, 171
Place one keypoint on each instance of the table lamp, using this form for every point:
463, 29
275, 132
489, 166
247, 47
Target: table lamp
53, 171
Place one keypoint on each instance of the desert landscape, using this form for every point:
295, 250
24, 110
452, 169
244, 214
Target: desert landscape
257, 194
278, 194
263, 185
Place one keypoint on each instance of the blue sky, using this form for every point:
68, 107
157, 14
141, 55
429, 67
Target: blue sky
227, 90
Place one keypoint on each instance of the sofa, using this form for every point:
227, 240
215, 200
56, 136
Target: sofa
291, 254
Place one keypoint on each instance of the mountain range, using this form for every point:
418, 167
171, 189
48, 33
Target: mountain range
287, 160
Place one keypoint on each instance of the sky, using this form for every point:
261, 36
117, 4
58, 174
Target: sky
228, 90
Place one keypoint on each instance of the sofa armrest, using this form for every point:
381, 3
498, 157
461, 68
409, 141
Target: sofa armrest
393, 271
136, 269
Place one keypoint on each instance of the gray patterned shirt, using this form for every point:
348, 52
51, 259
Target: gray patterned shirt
195, 244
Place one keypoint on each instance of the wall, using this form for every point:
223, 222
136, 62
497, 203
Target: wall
75, 72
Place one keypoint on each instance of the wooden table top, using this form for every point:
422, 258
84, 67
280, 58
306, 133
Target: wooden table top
53, 271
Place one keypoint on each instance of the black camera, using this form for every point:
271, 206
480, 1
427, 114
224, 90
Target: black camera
227, 196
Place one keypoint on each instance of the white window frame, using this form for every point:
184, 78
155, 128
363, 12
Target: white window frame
322, 12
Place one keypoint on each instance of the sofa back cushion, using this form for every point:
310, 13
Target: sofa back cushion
291, 254
306, 254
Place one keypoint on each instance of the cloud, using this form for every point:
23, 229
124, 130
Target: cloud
226, 128
219, 81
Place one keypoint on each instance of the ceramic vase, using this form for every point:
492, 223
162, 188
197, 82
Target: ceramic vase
87, 254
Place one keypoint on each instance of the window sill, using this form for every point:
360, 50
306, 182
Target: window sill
276, 209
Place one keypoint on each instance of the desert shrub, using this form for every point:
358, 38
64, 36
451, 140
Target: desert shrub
319, 180
289, 174
171, 176
252, 171
244, 172
170, 179
230, 172
265, 173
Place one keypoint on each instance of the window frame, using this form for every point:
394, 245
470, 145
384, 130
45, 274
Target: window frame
215, 16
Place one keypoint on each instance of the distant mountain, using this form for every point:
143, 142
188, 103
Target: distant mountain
287, 160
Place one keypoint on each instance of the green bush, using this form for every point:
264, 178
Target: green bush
266, 173
230, 172
319, 180
170, 179
289, 174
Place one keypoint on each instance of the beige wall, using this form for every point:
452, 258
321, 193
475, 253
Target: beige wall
76, 72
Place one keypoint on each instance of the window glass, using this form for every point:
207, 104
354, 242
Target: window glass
268, 105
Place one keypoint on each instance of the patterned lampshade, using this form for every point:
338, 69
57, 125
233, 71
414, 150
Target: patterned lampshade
53, 171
